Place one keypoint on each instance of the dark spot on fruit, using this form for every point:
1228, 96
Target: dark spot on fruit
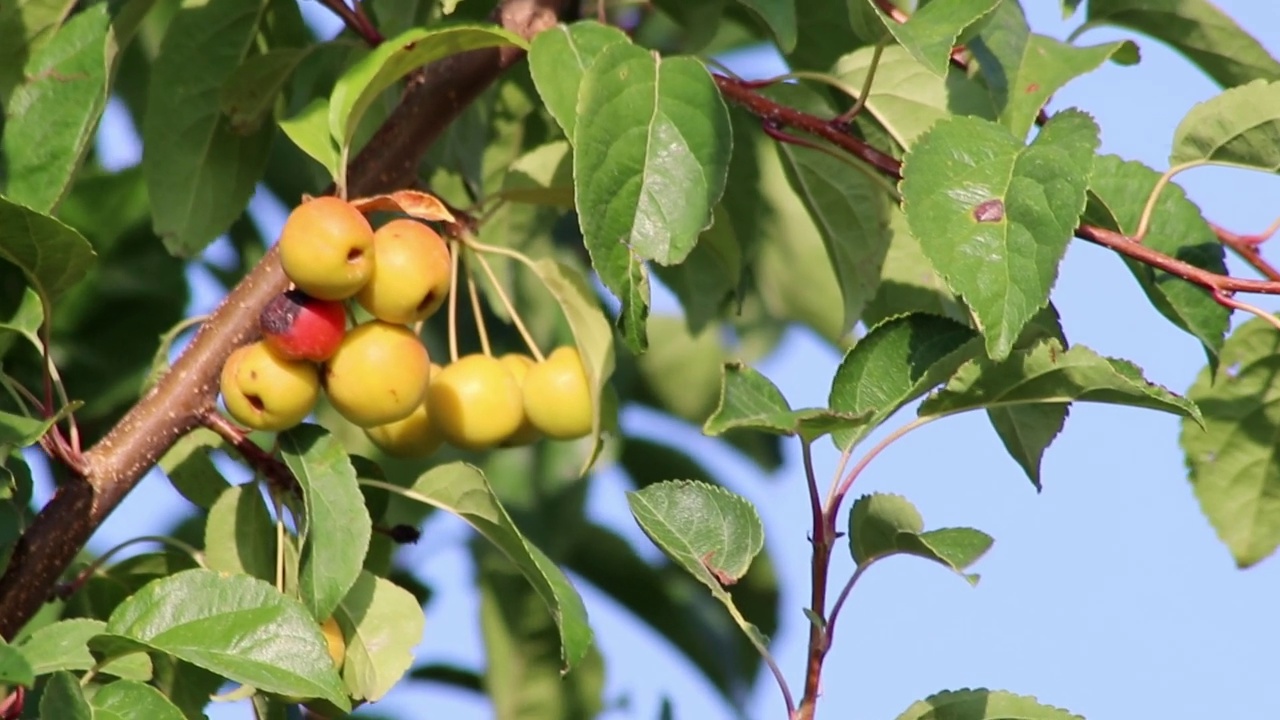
989, 211
255, 402
427, 300
278, 316
354, 254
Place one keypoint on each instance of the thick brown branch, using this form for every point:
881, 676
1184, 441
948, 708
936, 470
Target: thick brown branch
113, 467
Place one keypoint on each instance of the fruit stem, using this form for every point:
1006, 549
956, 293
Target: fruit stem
478, 311
511, 308
278, 506
456, 248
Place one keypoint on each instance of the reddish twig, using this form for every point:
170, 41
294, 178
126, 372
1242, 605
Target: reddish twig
266, 464
1246, 247
824, 538
779, 116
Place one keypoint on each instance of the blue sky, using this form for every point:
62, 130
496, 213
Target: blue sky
1108, 593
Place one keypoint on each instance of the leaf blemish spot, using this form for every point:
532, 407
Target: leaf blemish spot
989, 211
722, 577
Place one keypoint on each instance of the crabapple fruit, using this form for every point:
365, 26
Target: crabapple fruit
411, 269
413, 436
557, 397
326, 248
378, 375
333, 638
299, 327
475, 402
265, 391
519, 365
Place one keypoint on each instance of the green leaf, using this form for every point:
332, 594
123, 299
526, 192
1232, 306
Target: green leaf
186, 686
1236, 127
1024, 69
338, 523
395, 58
382, 623
236, 626
51, 118
1028, 430
709, 278
544, 175
847, 203
64, 699
64, 645
591, 334
239, 534
823, 33
1046, 373
251, 91
309, 130
750, 400
709, 531
522, 676
668, 600
27, 26
200, 172
1198, 29
780, 17
906, 97
560, 56
1233, 460
129, 700
881, 525
191, 470
462, 490
54, 257
998, 243
982, 705
931, 31
14, 668
896, 362
1118, 191
908, 281
651, 152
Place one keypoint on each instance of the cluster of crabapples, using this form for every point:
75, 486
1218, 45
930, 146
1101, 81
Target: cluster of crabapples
377, 374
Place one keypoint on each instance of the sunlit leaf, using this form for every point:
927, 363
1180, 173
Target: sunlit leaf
395, 58
200, 171
338, 524
559, 57
381, 624
1024, 69
982, 705
896, 362
1233, 461
709, 531
1198, 29
1046, 373
1237, 127
881, 525
237, 626
995, 216
462, 490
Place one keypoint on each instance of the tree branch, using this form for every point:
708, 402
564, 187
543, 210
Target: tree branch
743, 93
434, 97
